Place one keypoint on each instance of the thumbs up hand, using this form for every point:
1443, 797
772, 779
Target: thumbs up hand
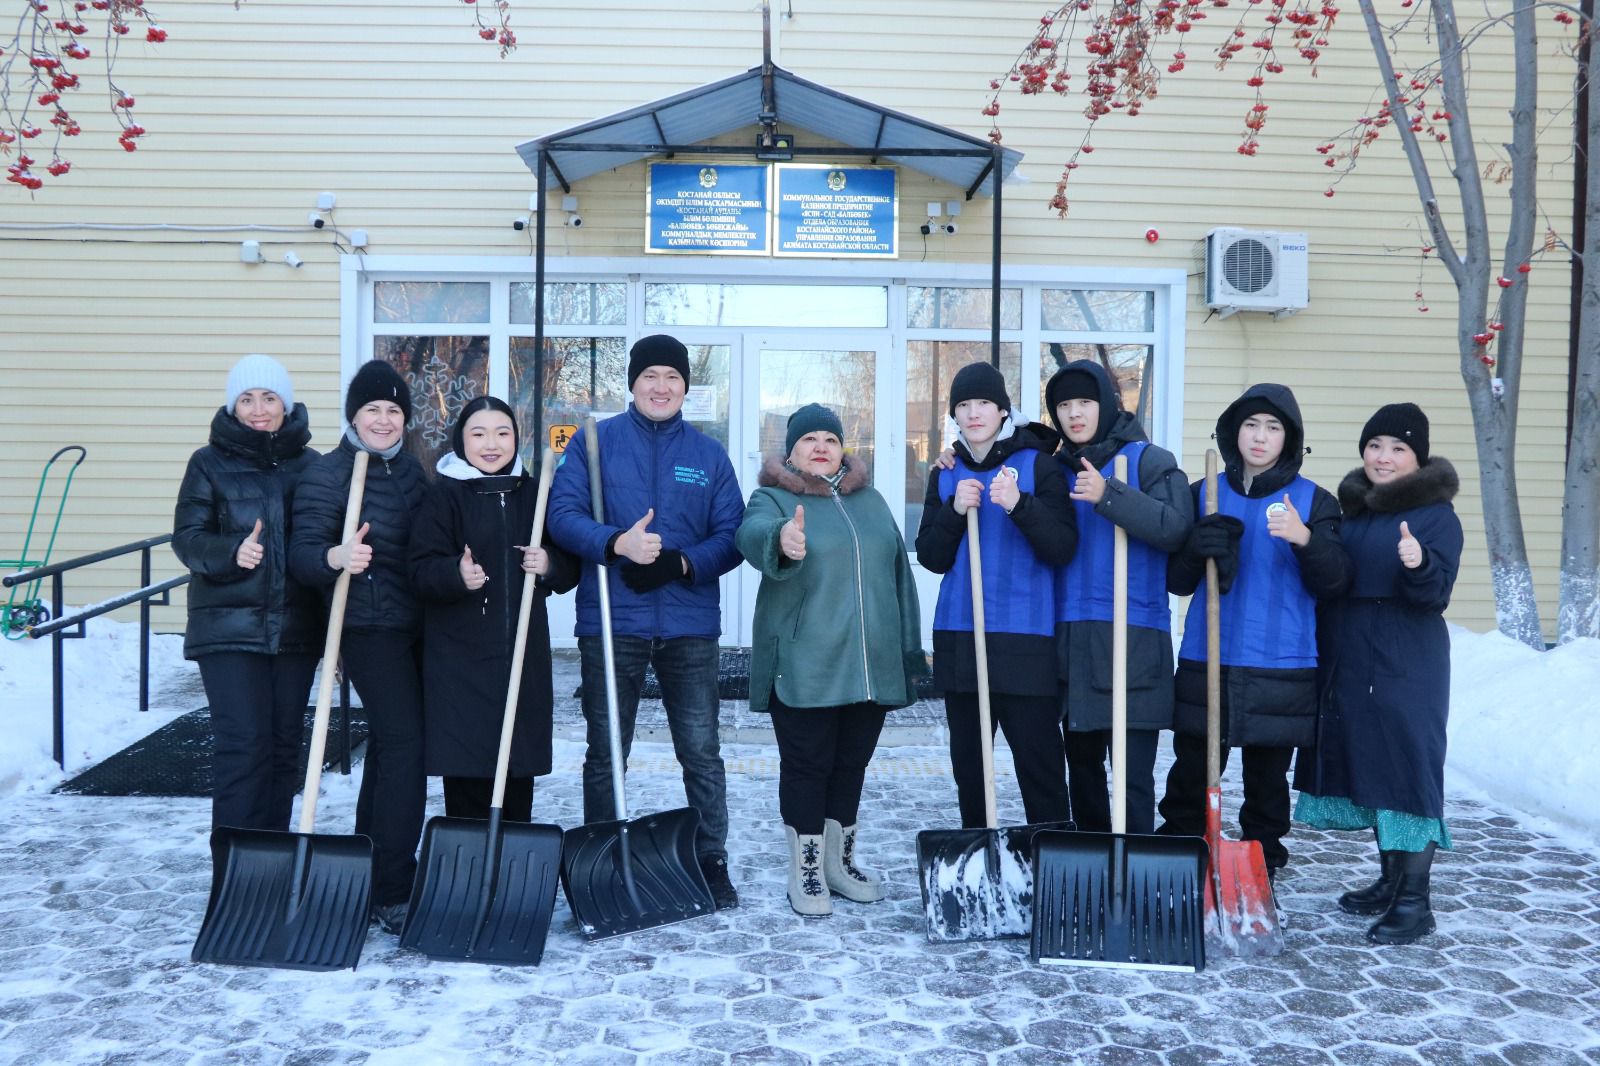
354, 555
792, 537
250, 551
1285, 523
637, 543
1411, 553
1089, 486
472, 574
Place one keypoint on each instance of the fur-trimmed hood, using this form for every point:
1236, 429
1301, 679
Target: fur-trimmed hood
775, 473
1435, 483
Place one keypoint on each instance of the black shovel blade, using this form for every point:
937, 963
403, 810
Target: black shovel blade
1109, 899
296, 901
977, 884
451, 919
621, 877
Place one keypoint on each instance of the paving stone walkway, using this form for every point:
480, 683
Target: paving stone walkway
100, 900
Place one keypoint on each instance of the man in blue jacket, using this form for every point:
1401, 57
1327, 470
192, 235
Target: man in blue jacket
672, 507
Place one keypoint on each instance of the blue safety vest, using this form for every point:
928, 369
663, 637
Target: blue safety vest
1084, 587
1269, 620
1016, 585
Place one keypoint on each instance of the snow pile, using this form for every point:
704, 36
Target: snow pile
101, 696
1523, 729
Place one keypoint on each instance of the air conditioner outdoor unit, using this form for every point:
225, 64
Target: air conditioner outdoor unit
1255, 270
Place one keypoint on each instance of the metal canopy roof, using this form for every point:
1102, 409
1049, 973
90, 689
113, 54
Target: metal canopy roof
676, 123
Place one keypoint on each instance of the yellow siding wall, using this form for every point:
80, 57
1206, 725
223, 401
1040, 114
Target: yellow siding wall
119, 340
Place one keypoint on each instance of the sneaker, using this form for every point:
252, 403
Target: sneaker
391, 917
715, 867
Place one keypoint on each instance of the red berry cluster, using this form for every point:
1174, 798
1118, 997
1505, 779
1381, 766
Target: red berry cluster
1122, 72
496, 28
54, 46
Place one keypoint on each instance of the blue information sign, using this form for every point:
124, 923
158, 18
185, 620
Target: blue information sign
707, 207
837, 212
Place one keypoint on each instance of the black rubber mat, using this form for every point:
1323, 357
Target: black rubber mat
733, 679
175, 760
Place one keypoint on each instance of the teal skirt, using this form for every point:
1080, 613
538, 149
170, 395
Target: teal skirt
1397, 830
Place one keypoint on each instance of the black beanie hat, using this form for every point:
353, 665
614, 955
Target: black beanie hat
1070, 385
658, 349
809, 419
979, 381
1402, 421
376, 380
1259, 405
458, 434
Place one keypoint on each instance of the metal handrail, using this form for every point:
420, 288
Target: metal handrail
58, 628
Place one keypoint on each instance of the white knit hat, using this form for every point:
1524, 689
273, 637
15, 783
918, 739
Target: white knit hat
260, 372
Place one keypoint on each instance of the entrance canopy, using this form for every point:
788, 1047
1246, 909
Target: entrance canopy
771, 97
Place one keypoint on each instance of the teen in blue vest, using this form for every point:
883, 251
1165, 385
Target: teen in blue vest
1275, 538
1155, 508
1026, 527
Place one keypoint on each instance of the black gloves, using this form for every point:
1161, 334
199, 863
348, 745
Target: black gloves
648, 577
1216, 536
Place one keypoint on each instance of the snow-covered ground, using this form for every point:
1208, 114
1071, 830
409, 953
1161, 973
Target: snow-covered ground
100, 900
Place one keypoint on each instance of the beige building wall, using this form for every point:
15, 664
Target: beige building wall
118, 337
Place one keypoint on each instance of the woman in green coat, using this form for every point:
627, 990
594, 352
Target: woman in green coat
837, 645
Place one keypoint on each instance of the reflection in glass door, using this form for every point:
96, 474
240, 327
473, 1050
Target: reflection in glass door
783, 374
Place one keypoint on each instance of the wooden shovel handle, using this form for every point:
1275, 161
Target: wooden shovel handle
1119, 668
980, 649
519, 648
1213, 643
330, 649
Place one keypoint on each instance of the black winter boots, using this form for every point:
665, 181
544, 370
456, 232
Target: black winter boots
1410, 915
1375, 898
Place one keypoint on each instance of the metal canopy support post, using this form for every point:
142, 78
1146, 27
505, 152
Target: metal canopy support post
994, 265
538, 305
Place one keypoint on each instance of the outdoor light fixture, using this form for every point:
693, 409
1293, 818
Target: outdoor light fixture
774, 147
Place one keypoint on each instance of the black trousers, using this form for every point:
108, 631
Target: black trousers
1263, 816
1032, 727
1087, 755
471, 797
822, 761
258, 709
382, 665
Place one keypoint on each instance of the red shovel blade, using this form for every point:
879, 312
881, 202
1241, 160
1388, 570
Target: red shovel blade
1241, 916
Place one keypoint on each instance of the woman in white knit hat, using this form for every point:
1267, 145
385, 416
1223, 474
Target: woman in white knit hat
254, 631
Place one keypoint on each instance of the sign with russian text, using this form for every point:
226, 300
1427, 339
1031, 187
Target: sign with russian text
835, 212
707, 207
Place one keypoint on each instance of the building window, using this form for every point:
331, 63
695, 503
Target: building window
765, 306
444, 373
1098, 310
960, 307
931, 367
572, 303
430, 301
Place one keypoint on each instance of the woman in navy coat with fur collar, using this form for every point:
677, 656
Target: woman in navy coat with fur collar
1379, 760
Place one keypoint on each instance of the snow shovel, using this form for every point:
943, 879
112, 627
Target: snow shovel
1241, 916
485, 890
977, 884
623, 876
1115, 899
297, 901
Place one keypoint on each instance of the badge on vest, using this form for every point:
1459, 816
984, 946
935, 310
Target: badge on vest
1275, 509
1008, 471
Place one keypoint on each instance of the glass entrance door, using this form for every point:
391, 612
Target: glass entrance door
782, 372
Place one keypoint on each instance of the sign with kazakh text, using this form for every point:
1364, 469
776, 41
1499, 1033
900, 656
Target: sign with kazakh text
706, 207
835, 212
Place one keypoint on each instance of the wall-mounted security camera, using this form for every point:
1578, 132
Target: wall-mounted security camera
569, 204
316, 220
926, 228
520, 223
293, 260
575, 220
950, 228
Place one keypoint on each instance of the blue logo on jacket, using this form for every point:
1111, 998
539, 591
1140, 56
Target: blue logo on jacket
690, 475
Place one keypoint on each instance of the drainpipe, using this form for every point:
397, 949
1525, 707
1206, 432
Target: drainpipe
1580, 207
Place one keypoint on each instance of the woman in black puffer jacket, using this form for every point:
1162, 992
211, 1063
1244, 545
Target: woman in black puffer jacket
253, 629
382, 619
